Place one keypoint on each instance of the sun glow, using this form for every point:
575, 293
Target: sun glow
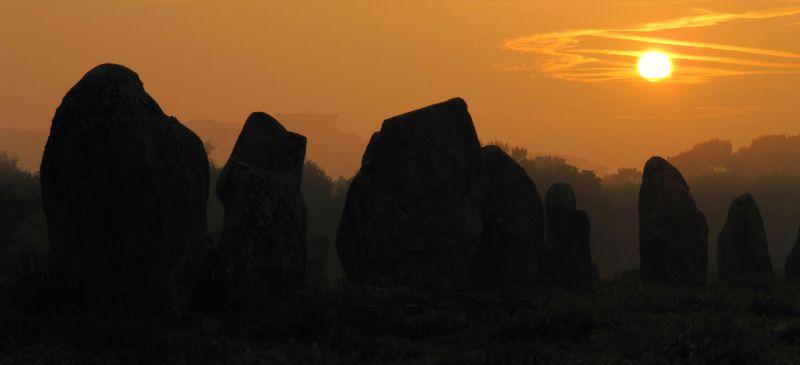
654, 66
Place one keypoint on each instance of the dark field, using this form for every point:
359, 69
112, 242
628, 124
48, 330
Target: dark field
620, 321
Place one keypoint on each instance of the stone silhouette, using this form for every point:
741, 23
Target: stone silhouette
513, 225
673, 233
419, 211
560, 198
263, 247
124, 190
742, 251
793, 261
567, 260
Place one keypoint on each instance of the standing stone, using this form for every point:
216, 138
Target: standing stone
673, 233
263, 246
793, 261
567, 260
513, 225
124, 190
430, 209
742, 251
412, 216
560, 198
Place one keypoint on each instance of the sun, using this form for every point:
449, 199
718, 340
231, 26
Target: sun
654, 66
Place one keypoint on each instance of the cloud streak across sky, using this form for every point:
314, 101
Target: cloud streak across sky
571, 54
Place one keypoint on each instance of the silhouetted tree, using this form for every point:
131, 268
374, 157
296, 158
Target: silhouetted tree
325, 199
19, 201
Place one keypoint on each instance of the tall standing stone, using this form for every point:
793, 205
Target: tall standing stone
792, 268
124, 190
429, 209
412, 216
263, 248
567, 261
673, 233
742, 251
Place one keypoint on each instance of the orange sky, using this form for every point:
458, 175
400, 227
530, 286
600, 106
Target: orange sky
554, 76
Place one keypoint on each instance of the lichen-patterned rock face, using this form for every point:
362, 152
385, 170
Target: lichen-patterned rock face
742, 250
263, 246
567, 260
792, 268
673, 233
430, 209
124, 190
513, 225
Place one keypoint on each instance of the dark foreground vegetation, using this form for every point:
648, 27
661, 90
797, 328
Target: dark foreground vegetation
620, 321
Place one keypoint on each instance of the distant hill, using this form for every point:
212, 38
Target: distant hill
337, 152
767, 154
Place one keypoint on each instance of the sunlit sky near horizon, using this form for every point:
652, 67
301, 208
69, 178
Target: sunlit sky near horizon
554, 76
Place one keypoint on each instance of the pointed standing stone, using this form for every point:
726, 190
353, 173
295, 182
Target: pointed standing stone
673, 233
263, 246
742, 251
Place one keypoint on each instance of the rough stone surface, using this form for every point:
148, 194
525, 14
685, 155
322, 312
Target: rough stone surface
263, 247
423, 211
567, 260
124, 190
793, 261
673, 233
742, 251
513, 225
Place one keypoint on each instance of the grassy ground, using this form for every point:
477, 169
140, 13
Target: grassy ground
620, 321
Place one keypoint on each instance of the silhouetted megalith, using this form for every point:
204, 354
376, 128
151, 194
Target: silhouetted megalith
263, 244
560, 197
124, 190
673, 233
419, 211
513, 225
792, 268
412, 216
567, 260
742, 251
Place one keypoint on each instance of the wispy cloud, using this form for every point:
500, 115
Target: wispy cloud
567, 55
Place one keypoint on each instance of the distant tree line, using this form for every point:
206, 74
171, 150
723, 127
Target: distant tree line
716, 174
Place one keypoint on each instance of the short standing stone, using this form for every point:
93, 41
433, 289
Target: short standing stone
124, 190
742, 251
673, 233
263, 246
567, 261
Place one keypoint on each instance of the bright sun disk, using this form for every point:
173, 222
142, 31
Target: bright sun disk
654, 66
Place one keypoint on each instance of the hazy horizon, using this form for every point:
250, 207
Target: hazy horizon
556, 77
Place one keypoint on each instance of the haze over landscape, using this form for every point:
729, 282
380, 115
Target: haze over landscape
557, 77
407, 182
